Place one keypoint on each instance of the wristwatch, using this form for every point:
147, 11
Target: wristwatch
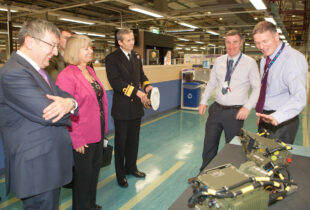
74, 105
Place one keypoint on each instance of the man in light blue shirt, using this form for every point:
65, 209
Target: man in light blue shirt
285, 92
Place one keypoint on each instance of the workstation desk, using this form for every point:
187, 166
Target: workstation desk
299, 169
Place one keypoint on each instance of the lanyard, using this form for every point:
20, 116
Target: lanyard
234, 67
272, 61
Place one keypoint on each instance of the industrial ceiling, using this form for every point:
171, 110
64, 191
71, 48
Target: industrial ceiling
105, 16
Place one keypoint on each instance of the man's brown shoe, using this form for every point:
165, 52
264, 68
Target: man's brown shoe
192, 179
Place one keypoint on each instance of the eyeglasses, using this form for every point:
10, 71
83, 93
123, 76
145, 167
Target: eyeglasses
51, 45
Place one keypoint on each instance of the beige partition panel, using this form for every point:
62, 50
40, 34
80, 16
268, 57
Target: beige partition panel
155, 73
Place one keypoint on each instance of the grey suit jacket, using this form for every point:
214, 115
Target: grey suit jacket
38, 153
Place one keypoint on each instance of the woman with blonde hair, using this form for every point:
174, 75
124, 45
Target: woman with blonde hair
88, 128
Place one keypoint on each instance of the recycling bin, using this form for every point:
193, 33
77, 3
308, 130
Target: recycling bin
191, 94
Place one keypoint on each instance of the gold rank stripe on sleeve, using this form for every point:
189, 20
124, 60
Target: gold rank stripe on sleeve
145, 83
128, 91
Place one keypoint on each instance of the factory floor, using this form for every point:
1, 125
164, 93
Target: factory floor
169, 153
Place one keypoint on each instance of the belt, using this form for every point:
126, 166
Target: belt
268, 111
228, 107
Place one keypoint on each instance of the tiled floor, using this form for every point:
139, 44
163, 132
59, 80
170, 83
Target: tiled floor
170, 152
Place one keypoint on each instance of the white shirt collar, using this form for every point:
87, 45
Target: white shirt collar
276, 51
34, 64
126, 53
235, 57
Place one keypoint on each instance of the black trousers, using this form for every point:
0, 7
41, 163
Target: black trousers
286, 131
85, 176
126, 146
219, 119
45, 201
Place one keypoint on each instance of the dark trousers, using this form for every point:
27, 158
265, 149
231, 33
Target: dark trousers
85, 176
45, 201
220, 118
126, 146
286, 131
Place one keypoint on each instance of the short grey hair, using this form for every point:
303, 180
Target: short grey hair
121, 32
264, 26
36, 28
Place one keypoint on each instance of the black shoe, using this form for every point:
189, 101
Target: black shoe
98, 207
123, 182
138, 174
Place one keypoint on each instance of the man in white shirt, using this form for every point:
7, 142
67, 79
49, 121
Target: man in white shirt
231, 77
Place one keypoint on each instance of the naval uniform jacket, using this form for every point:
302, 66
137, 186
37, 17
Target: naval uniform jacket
125, 77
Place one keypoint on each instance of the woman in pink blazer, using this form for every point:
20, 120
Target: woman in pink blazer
88, 128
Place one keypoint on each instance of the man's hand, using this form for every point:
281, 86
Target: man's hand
142, 96
267, 118
148, 88
81, 149
58, 108
242, 113
202, 109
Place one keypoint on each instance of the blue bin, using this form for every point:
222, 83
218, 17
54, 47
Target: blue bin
191, 94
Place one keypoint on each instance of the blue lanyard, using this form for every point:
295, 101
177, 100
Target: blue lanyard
272, 61
234, 67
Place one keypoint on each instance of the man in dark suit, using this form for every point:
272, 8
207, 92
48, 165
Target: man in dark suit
125, 74
34, 115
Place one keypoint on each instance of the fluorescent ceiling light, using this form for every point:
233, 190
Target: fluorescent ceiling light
187, 25
3, 32
89, 34
77, 21
111, 41
80, 33
181, 45
17, 26
145, 11
187, 48
180, 30
282, 37
5, 9
195, 50
181, 39
253, 46
202, 48
178, 48
271, 20
284, 41
212, 45
95, 34
247, 44
199, 42
258, 4
193, 47
212, 32
279, 30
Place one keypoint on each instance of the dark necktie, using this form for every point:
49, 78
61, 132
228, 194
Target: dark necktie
129, 56
43, 74
228, 75
262, 95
